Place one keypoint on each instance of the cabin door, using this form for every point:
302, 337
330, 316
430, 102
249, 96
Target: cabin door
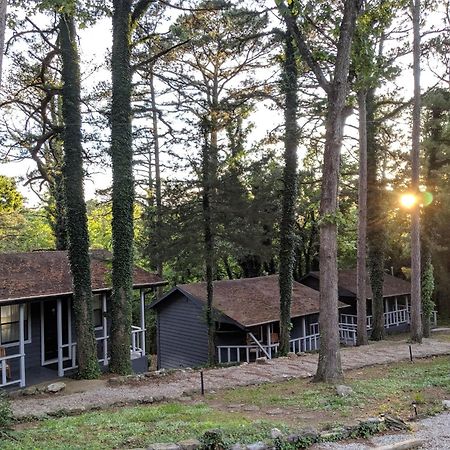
49, 323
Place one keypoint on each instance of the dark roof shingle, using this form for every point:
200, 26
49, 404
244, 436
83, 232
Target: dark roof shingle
392, 286
47, 273
254, 301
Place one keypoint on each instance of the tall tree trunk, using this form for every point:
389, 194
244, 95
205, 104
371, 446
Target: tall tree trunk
159, 260
416, 322
122, 190
329, 367
375, 222
3, 4
289, 196
361, 293
208, 234
74, 199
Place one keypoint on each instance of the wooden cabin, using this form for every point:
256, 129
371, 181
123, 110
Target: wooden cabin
37, 335
246, 313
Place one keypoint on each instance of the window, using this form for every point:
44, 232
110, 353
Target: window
9, 324
97, 308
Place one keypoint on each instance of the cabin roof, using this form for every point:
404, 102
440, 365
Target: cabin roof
24, 276
252, 301
392, 286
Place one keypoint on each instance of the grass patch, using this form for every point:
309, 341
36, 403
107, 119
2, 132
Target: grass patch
387, 389
137, 426
378, 389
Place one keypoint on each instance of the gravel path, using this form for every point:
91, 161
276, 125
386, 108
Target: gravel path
434, 431
187, 382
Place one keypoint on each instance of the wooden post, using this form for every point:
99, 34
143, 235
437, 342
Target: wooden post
269, 340
142, 322
59, 337
22, 343
105, 331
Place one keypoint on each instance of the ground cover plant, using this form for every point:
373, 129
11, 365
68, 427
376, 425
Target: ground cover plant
248, 414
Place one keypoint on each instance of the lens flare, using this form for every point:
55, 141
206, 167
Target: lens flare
427, 198
408, 200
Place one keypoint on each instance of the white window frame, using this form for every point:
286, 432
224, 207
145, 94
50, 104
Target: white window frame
17, 343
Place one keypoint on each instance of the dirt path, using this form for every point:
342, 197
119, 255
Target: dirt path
173, 386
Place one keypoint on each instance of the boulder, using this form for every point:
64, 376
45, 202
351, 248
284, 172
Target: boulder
164, 447
261, 360
56, 387
190, 444
446, 404
343, 391
257, 446
275, 412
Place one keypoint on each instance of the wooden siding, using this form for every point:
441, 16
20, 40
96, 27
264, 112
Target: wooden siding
182, 333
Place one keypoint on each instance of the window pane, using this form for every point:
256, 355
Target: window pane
98, 318
10, 333
97, 302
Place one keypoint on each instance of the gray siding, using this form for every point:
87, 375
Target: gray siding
182, 333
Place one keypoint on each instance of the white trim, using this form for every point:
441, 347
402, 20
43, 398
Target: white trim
17, 343
105, 329
59, 337
22, 343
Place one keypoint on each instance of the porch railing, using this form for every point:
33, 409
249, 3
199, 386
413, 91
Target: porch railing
137, 337
6, 369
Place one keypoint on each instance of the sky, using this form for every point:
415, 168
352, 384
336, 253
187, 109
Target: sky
95, 42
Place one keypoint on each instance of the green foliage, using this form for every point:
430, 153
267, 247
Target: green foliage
6, 415
10, 198
428, 289
213, 440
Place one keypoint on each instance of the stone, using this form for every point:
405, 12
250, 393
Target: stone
237, 447
343, 391
446, 404
275, 433
32, 390
292, 355
250, 408
261, 360
56, 387
164, 447
147, 399
257, 446
275, 412
190, 444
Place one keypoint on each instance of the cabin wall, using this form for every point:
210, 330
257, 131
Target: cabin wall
182, 333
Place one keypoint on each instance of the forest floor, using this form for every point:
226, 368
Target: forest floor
81, 396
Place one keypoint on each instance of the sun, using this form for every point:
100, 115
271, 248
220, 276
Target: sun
408, 200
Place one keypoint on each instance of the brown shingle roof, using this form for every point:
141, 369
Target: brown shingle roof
392, 285
253, 301
47, 273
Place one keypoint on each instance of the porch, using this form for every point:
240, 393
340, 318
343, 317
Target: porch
397, 315
268, 344
38, 340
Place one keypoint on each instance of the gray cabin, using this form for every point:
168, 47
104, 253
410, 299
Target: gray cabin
396, 300
37, 335
247, 321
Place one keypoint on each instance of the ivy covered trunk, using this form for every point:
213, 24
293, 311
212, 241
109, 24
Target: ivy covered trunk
122, 190
287, 225
74, 199
375, 223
